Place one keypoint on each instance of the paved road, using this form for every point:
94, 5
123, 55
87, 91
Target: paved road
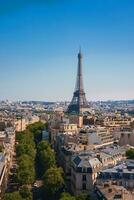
38, 190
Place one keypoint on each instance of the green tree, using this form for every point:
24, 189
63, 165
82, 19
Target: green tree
53, 181
37, 126
36, 129
26, 171
25, 193
83, 197
13, 196
25, 137
46, 159
130, 153
66, 196
26, 176
43, 145
20, 136
25, 160
25, 149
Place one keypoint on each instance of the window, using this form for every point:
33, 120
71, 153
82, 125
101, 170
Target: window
120, 183
84, 178
84, 186
84, 170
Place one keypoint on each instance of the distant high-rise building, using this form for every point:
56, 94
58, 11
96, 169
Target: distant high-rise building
79, 103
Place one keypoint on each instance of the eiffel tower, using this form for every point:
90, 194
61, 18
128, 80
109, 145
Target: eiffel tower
79, 103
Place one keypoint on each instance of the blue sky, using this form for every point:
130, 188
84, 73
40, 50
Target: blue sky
39, 42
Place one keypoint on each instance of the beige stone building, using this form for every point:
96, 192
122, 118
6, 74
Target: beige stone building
68, 128
127, 138
22, 123
110, 191
101, 137
84, 173
122, 174
117, 121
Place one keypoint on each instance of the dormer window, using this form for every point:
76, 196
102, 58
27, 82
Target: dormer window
84, 170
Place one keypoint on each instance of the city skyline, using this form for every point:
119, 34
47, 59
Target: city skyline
39, 42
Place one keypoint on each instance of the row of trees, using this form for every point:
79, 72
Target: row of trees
45, 156
52, 175
23, 194
25, 152
26, 155
67, 196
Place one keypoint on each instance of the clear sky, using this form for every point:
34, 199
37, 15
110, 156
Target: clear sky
39, 42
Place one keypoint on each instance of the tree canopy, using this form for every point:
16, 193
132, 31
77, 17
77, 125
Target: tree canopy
13, 196
46, 157
26, 152
83, 196
53, 180
43, 145
130, 154
66, 196
25, 193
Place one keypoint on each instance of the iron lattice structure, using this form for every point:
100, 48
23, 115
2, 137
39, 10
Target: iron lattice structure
79, 102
